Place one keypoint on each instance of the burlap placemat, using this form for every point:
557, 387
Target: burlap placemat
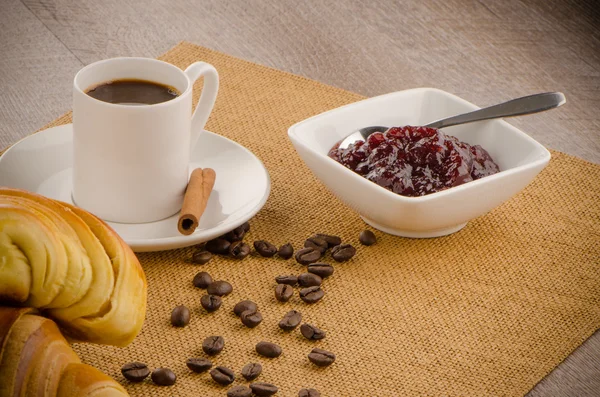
487, 311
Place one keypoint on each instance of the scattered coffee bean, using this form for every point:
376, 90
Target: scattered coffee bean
180, 316
283, 292
317, 243
199, 365
201, 257
367, 237
211, 303
202, 280
308, 255
322, 270
309, 393
213, 345
239, 391
268, 349
311, 332
218, 246
220, 288
289, 280
251, 318
239, 250
242, 306
135, 372
309, 280
222, 375
321, 358
290, 320
163, 377
263, 389
286, 251
251, 371
236, 234
332, 241
265, 248
246, 226
343, 252
311, 294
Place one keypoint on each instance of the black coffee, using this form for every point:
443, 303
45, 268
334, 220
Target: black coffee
132, 92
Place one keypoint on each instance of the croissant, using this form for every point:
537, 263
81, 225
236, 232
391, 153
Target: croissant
36, 360
71, 266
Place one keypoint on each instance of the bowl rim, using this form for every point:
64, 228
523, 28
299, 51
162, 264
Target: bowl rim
295, 137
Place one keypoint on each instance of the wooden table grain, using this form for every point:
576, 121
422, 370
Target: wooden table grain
485, 51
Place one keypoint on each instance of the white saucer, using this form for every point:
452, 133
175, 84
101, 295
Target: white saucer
42, 163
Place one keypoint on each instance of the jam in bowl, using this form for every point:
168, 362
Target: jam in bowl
415, 161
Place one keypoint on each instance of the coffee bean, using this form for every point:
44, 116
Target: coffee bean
236, 234
242, 306
309, 280
321, 358
202, 280
289, 280
290, 320
308, 255
367, 237
239, 250
311, 294
343, 252
222, 375
135, 372
251, 318
265, 248
286, 251
263, 389
332, 241
218, 246
309, 393
201, 257
220, 288
163, 377
322, 270
251, 371
317, 243
245, 226
213, 345
199, 365
311, 332
268, 349
239, 391
210, 303
180, 316
283, 292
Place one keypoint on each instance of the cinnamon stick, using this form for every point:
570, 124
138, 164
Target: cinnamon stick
196, 197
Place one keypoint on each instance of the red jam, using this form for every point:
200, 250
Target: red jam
415, 161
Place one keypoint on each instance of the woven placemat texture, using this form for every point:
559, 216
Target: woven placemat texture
487, 311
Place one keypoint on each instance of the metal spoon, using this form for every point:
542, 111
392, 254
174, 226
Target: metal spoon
515, 107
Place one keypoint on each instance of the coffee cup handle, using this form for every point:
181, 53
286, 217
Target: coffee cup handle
207, 98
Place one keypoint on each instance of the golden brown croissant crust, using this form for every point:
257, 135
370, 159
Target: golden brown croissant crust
36, 360
71, 266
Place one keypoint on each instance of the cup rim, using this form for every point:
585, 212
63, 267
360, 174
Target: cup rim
179, 98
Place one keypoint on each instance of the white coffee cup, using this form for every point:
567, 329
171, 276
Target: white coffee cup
130, 163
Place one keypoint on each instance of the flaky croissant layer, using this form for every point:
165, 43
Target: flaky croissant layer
36, 360
70, 265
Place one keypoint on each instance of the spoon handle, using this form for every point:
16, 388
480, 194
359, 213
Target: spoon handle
515, 107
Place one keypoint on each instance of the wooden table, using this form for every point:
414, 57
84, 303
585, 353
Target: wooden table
485, 51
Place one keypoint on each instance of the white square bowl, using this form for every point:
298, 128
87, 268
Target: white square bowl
519, 157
